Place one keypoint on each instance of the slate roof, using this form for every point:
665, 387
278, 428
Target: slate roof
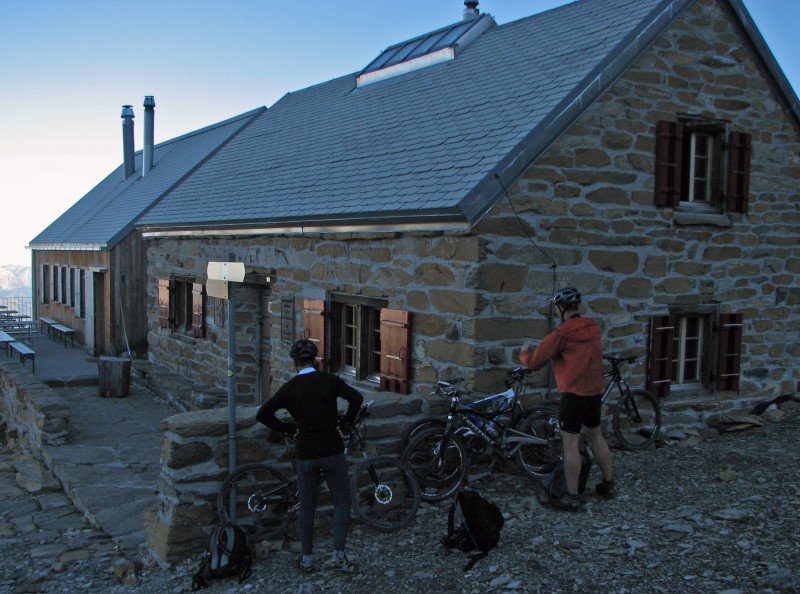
422, 149
108, 212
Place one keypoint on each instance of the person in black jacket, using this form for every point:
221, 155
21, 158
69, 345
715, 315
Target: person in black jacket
311, 399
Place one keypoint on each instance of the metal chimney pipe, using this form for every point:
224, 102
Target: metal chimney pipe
128, 161
471, 9
149, 116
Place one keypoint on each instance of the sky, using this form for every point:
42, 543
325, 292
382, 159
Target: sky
68, 67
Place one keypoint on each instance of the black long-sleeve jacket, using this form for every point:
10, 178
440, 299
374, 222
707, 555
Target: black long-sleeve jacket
311, 400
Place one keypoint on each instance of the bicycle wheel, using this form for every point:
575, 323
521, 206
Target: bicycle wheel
539, 459
438, 461
637, 419
264, 501
385, 494
414, 428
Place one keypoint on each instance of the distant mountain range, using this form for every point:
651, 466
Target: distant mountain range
15, 281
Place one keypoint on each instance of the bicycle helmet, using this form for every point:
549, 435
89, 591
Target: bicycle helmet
567, 296
303, 349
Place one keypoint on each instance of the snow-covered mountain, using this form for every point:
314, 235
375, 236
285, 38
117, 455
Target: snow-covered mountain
15, 281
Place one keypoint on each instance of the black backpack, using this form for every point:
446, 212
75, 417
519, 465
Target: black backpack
553, 486
228, 554
480, 529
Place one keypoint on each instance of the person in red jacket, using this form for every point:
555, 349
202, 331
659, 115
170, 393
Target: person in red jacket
576, 351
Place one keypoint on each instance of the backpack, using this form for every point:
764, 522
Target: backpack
228, 554
480, 529
553, 486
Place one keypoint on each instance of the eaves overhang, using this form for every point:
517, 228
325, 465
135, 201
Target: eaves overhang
68, 247
421, 221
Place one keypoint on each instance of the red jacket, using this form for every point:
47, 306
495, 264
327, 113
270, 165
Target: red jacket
576, 351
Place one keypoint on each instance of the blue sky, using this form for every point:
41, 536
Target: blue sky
68, 67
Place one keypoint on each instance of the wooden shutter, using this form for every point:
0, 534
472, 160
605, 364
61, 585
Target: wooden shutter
314, 327
163, 302
669, 163
198, 311
739, 153
662, 348
78, 293
730, 351
395, 331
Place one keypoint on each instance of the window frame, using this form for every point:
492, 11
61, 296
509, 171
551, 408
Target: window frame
727, 175
720, 354
355, 336
181, 306
384, 336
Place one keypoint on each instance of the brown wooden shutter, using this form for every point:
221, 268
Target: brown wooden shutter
662, 347
163, 302
198, 311
395, 331
739, 153
730, 351
314, 327
669, 163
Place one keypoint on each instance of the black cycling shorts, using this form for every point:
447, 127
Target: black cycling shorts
577, 411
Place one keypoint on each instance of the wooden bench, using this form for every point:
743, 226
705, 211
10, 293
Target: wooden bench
25, 353
49, 322
6, 339
63, 332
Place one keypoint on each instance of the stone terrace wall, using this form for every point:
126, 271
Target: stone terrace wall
32, 412
194, 463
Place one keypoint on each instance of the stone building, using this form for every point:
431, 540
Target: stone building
414, 217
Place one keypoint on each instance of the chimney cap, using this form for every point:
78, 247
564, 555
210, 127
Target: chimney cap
127, 111
149, 101
471, 9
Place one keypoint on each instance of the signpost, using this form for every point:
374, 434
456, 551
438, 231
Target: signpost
220, 274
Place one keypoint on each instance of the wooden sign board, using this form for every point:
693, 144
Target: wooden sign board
217, 288
226, 271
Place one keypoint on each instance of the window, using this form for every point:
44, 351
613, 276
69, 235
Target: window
181, 306
682, 348
45, 283
690, 160
364, 339
63, 284
688, 366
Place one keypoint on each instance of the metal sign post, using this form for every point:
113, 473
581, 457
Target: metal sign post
220, 274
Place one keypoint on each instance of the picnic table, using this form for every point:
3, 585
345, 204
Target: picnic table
20, 327
8, 312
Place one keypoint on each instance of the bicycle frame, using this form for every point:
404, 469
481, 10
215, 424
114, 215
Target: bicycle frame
460, 422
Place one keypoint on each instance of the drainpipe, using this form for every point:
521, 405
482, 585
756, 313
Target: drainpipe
149, 115
471, 10
128, 162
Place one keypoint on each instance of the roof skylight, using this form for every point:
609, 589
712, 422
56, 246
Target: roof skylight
425, 50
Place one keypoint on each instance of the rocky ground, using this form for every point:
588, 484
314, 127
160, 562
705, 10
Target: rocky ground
711, 513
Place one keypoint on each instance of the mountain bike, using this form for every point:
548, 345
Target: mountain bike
263, 500
636, 418
507, 402
440, 456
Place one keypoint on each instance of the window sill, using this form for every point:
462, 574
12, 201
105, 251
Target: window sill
712, 219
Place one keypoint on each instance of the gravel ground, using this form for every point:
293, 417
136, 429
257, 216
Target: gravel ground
712, 513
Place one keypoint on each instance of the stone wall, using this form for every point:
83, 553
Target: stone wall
33, 414
194, 462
